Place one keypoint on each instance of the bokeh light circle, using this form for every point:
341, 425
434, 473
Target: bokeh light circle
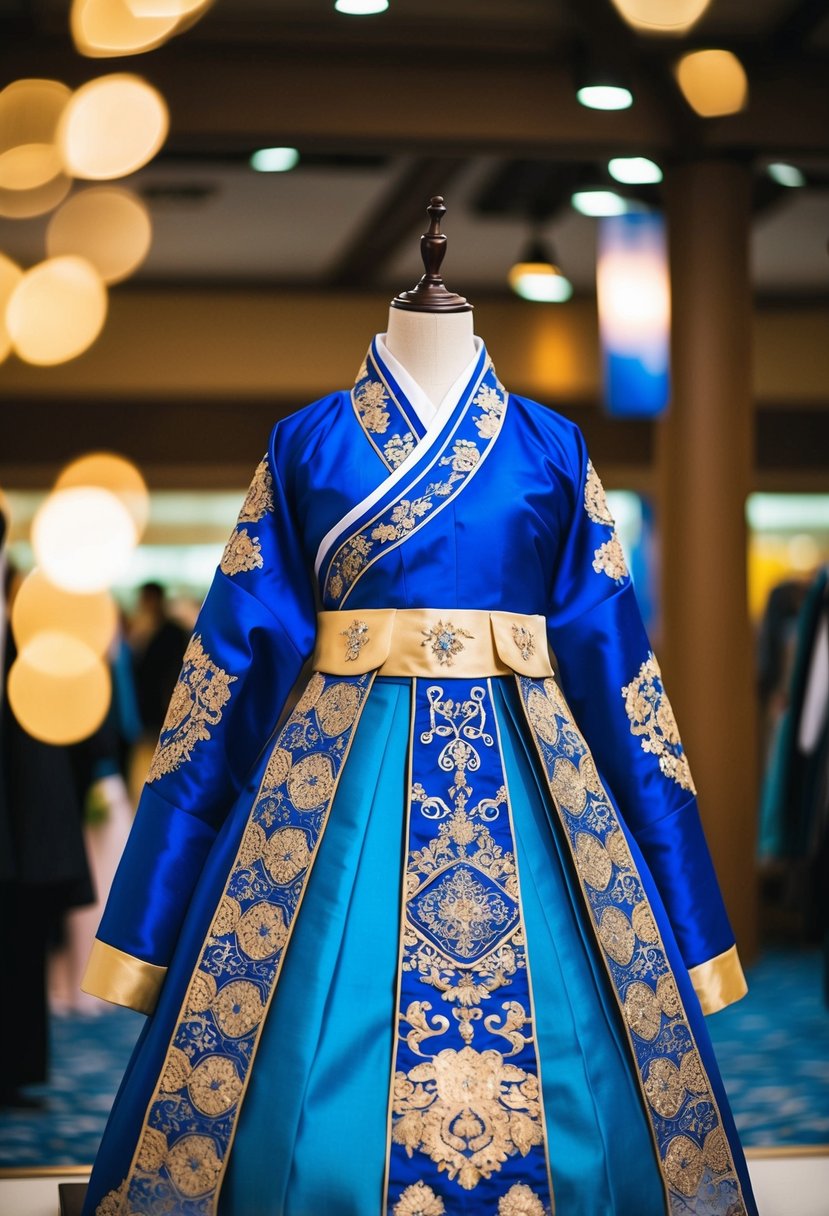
102, 29
30, 111
41, 607
83, 538
114, 473
58, 688
108, 226
112, 126
56, 311
10, 276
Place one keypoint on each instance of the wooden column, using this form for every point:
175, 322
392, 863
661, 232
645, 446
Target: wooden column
705, 456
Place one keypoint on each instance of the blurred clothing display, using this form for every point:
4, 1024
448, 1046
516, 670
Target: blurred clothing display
158, 644
352, 1054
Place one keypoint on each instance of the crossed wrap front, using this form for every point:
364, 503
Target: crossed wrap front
519, 819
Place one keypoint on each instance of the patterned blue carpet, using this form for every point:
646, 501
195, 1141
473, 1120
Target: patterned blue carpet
773, 1049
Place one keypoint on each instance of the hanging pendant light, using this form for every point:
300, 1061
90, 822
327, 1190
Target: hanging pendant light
537, 277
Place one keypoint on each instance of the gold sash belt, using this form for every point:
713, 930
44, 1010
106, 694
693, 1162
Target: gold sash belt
431, 642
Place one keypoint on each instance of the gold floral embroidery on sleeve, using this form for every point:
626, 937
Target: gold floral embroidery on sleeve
241, 553
595, 499
609, 559
652, 719
370, 399
398, 448
259, 500
198, 701
419, 1200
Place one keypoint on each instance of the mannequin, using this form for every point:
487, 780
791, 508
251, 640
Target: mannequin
430, 331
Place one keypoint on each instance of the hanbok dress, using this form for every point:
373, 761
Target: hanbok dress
417, 897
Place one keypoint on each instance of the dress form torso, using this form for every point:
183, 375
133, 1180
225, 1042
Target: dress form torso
434, 348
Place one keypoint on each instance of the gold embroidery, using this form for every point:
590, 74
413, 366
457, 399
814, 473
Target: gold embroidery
176, 1074
492, 404
663, 1087
465, 456
667, 994
200, 993
652, 720
259, 499
312, 693
616, 935
278, 767
520, 1201
609, 559
468, 1111
419, 1200
287, 854
311, 782
619, 850
252, 844
524, 640
464, 915
542, 716
238, 1008
337, 708
112, 1203
241, 553
445, 639
593, 861
515, 1019
568, 787
715, 1151
642, 1011
644, 926
690, 1073
262, 930
356, 637
595, 499
194, 1166
202, 691
152, 1149
214, 1085
370, 399
398, 448
684, 1165
227, 916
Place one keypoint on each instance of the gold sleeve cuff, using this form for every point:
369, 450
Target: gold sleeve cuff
719, 982
122, 978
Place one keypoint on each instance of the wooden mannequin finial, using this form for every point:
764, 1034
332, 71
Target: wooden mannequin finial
430, 294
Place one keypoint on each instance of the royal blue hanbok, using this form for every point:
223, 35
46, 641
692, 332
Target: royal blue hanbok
417, 898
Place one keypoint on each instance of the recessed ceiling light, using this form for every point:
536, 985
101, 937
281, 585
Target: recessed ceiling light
786, 175
361, 8
634, 170
605, 96
599, 202
274, 160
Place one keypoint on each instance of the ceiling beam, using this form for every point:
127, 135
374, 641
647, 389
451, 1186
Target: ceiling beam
394, 219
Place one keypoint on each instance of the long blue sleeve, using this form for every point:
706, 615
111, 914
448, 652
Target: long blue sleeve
254, 632
612, 681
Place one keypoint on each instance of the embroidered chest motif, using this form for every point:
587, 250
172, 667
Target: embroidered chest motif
356, 637
444, 640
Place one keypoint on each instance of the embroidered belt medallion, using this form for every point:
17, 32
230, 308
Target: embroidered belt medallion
692, 1148
467, 1123
183, 1147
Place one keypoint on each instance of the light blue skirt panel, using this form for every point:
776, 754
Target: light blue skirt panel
311, 1138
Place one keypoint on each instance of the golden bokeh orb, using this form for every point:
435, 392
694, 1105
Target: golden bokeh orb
30, 111
56, 311
58, 688
10, 276
102, 29
112, 126
108, 471
714, 83
108, 226
41, 607
83, 538
662, 16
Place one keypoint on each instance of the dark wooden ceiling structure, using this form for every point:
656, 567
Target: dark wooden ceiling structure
475, 99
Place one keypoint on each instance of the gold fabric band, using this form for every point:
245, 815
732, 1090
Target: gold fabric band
720, 981
122, 978
462, 642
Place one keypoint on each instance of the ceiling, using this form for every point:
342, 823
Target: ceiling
472, 99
